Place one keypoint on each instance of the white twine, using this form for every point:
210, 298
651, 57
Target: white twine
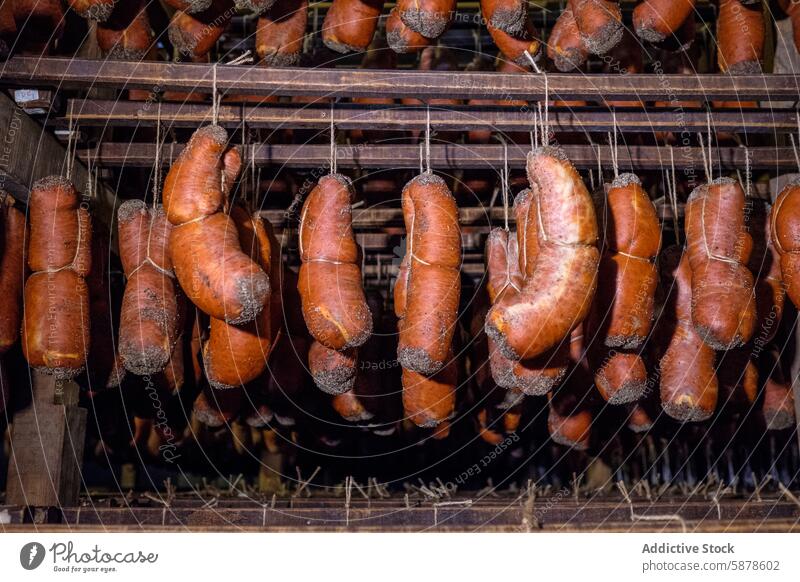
333, 143
428, 140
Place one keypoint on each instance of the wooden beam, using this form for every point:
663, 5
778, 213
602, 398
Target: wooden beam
403, 118
688, 160
255, 80
47, 442
28, 152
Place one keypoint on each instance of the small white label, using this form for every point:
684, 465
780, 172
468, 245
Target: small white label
25, 95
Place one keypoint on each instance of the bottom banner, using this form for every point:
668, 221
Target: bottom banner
355, 557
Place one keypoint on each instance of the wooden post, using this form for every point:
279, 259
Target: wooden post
47, 446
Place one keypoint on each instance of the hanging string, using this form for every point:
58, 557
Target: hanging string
747, 174
333, 143
612, 145
708, 129
504, 184
599, 167
157, 168
214, 101
242, 59
706, 165
535, 133
70, 144
428, 140
533, 64
541, 123
421, 158
672, 192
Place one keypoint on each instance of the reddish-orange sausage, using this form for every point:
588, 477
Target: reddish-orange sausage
622, 377
565, 47
40, 24
515, 47
280, 33
401, 38
688, 383
12, 270
559, 292
8, 28
792, 9
55, 327
126, 34
600, 23
765, 264
434, 285
785, 235
194, 35
430, 18
237, 354
639, 419
334, 306
430, 400
350, 24
506, 15
740, 38
189, 6
570, 417
333, 371
625, 300
657, 20
150, 316
98, 10
719, 247
210, 265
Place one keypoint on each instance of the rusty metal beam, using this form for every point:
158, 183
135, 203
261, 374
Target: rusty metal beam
688, 160
402, 118
253, 80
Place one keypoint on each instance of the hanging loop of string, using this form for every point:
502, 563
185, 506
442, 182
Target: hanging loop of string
672, 193
428, 140
706, 163
157, 162
747, 173
215, 100
71, 144
333, 143
421, 158
504, 184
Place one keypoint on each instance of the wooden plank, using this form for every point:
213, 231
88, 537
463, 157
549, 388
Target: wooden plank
255, 80
47, 446
403, 118
688, 160
28, 152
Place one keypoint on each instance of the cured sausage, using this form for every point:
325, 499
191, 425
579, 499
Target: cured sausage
785, 236
150, 317
12, 270
98, 10
333, 371
622, 377
40, 24
625, 299
55, 327
430, 18
506, 15
565, 46
334, 305
514, 47
126, 34
688, 382
280, 33
657, 20
194, 35
429, 401
237, 354
559, 290
189, 6
350, 25
792, 9
600, 23
570, 417
254, 6
765, 264
214, 272
740, 38
433, 284
401, 38
719, 248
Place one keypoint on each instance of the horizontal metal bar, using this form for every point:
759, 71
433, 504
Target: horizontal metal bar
397, 117
254, 80
455, 156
